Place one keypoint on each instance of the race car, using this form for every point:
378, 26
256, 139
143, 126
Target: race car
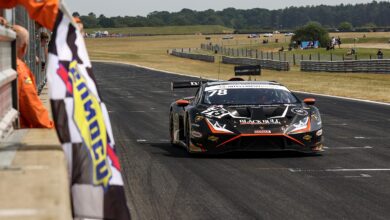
226, 116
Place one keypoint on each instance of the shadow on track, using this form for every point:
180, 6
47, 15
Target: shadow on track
179, 152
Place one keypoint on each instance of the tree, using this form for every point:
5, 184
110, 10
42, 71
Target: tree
345, 26
105, 22
76, 14
353, 16
89, 21
312, 31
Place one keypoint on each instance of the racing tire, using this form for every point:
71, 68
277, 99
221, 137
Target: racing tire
171, 130
187, 135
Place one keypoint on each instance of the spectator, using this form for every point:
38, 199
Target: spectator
32, 112
333, 42
80, 25
338, 41
379, 54
44, 37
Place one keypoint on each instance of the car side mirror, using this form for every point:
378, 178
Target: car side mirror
182, 102
309, 101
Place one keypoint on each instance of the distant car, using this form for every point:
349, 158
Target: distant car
227, 37
289, 34
253, 36
276, 32
228, 116
268, 35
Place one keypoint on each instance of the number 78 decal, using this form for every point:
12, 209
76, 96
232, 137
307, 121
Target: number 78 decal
218, 92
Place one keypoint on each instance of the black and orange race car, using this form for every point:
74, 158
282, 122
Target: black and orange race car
229, 116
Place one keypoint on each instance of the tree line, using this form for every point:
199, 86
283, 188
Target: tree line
343, 16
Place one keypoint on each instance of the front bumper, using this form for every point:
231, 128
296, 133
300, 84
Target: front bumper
221, 143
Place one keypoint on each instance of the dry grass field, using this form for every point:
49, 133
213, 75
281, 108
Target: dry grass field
151, 51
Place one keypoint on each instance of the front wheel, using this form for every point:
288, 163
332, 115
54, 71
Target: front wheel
171, 130
187, 135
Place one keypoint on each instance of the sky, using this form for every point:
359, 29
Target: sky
143, 7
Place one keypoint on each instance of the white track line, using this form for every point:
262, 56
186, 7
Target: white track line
182, 74
293, 170
348, 148
346, 98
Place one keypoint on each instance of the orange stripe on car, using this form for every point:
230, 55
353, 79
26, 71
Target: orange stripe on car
261, 135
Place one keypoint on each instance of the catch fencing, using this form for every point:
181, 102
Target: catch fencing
293, 58
35, 53
8, 66
202, 57
369, 66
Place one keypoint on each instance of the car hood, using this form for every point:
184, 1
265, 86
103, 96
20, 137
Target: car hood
255, 119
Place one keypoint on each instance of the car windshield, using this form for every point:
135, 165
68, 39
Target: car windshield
227, 95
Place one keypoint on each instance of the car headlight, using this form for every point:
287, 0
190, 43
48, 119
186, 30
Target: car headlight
316, 122
303, 125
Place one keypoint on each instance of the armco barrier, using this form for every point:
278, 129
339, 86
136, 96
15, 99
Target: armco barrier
265, 64
370, 66
201, 57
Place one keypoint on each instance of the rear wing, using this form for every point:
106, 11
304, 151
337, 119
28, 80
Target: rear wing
186, 84
252, 70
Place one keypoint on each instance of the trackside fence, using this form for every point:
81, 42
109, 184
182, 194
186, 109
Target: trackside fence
202, 57
265, 64
8, 83
35, 54
369, 66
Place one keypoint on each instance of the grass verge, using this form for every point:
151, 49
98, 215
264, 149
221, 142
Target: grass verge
152, 52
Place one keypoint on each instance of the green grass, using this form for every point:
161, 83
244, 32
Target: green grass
366, 40
151, 51
241, 42
167, 30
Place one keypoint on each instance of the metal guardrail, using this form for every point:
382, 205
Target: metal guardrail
265, 64
369, 66
206, 58
8, 76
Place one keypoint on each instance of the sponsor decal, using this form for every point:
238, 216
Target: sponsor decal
28, 80
89, 120
260, 122
196, 134
194, 83
216, 112
307, 137
299, 111
213, 138
319, 132
198, 118
262, 132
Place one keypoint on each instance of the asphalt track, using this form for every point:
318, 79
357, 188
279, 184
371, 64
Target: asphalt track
351, 180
